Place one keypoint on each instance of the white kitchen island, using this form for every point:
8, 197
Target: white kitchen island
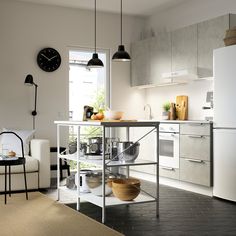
105, 201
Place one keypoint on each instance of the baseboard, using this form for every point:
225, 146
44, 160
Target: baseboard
208, 191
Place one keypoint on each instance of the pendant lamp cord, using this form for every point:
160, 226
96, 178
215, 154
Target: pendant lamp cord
95, 21
121, 21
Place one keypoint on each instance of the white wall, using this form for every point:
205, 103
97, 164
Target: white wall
25, 29
196, 92
188, 13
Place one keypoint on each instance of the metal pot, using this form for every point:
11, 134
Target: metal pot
130, 154
95, 145
73, 147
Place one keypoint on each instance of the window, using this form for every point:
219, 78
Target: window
87, 87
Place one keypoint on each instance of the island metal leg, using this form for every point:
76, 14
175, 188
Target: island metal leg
157, 171
128, 139
103, 176
78, 168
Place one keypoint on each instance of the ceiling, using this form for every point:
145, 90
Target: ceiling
131, 7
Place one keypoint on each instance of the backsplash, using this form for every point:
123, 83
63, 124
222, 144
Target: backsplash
196, 91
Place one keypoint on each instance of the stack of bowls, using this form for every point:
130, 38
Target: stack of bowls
94, 182
230, 37
126, 189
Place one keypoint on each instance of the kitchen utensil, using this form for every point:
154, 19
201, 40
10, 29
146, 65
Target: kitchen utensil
126, 189
172, 112
70, 182
95, 145
83, 184
182, 107
88, 112
128, 151
94, 182
73, 148
113, 115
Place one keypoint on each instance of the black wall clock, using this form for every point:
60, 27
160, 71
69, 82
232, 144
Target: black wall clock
49, 59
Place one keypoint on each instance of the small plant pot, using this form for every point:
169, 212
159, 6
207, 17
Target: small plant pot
165, 115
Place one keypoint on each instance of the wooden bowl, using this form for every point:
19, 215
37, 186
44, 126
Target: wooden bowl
126, 189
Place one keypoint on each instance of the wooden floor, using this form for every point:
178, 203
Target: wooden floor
181, 213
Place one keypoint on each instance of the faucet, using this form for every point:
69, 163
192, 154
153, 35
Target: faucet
150, 111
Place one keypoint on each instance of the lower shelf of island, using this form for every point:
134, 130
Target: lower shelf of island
110, 200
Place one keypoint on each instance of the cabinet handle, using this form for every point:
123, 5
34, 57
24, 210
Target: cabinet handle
194, 160
196, 124
196, 136
167, 168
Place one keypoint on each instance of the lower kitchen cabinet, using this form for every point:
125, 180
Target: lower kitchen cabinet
195, 129
169, 172
195, 146
195, 171
196, 153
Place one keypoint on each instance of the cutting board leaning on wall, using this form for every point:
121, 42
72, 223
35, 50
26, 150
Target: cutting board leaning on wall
182, 107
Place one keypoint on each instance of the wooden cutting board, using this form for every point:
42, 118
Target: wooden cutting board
182, 107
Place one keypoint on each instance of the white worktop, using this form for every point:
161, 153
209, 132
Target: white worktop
186, 121
98, 123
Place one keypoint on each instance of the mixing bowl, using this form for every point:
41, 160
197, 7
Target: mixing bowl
130, 154
113, 115
126, 189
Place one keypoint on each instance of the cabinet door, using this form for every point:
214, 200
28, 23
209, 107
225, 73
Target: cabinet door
195, 147
184, 48
140, 63
195, 128
168, 172
160, 56
194, 171
210, 36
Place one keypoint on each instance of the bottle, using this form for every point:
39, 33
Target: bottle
172, 111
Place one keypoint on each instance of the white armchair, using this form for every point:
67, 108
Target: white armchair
37, 168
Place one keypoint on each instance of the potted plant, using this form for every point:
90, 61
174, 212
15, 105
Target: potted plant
165, 113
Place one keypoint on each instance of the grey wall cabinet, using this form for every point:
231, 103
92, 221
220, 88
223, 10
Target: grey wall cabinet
150, 59
184, 48
190, 48
140, 63
160, 57
210, 36
196, 153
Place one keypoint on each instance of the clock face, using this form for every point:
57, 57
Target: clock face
49, 59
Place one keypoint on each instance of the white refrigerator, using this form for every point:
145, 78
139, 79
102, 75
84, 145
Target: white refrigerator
224, 133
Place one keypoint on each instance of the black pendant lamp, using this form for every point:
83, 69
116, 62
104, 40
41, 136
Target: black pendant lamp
121, 54
95, 62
